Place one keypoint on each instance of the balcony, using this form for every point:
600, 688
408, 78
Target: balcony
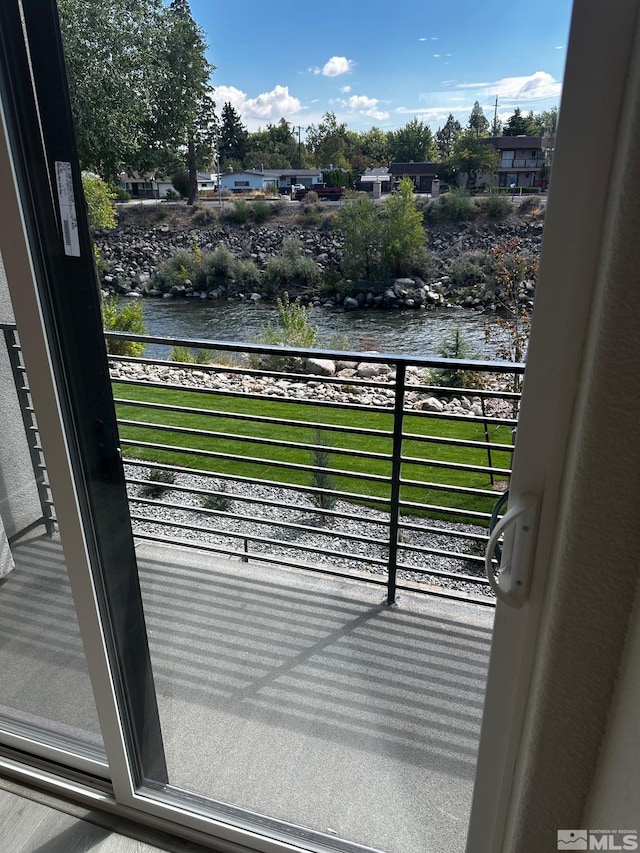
293, 509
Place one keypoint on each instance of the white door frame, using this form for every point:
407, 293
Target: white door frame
599, 55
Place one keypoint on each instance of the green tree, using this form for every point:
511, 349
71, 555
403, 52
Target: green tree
328, 142
185, 118
403, 238
358, 221
414, 142
471, 156
478, 123
110, 51
99, 198
233, 139
374, 145
447, 135
496, 127
129, 318
548, 121
518, 125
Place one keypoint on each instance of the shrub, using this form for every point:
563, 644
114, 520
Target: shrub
120, 193
456, 345
161, 478
180, 181
321, 477
496, 206
220, 502
291, 268
185, 355
172, 195
310, 215
237, 212
294, 328
455, 206
248, 274
129, 318
204, 216
260, 211
181, 267
403, 238
467, 270
99, 198
215, 269
310, 198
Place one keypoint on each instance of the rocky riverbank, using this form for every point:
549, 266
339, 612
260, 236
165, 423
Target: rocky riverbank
147, 237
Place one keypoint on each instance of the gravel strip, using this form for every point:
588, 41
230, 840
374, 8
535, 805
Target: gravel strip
320, 535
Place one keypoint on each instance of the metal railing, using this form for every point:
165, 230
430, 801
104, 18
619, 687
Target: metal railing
374, 473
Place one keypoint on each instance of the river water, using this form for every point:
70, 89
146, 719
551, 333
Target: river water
416, 332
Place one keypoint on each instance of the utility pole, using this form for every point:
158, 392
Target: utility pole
495, 117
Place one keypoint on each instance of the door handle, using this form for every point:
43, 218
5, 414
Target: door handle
511, 584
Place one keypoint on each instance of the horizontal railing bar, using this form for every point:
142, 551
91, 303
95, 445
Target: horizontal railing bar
334, 355
255, 519
173, 487
471, 391
459, 442
269, 442
217, 413
446, 510
441, 573
259, 557
180, 469
263, 540
242, 395
455, 466
288, 466
449, 487
439, 552
453, 595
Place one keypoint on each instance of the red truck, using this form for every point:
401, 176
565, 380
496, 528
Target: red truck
322, 190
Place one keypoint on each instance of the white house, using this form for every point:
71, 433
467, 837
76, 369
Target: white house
261, 179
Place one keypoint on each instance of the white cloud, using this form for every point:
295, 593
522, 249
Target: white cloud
365, 106
422, 39
345, 89
560, 47
519, 90
268, 105
337, 65
436, 56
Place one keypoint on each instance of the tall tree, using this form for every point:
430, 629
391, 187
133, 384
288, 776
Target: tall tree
414, 142
478, 123
329, 142
110, 51
374, 145
233, 139
548, 121
185, 120
518, 125
447, 135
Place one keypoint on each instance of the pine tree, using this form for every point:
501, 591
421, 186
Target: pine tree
446, 136
233, 141
478, 123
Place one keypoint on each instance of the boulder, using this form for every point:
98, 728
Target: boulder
320, 366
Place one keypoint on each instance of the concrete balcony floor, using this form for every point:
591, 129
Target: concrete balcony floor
289, 694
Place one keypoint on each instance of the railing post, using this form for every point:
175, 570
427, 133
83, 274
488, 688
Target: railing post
30, 429
396, 469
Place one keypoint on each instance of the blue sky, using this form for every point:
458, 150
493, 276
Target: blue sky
384, 63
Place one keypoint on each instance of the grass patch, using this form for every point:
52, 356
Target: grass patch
260, 460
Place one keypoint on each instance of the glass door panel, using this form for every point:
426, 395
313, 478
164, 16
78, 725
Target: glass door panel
46, 691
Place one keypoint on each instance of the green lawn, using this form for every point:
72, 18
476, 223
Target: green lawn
349, 470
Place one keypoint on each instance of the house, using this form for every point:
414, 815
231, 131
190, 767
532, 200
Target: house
261, 179
422, 174
560, 748
376, 175
145, 186
523, 160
